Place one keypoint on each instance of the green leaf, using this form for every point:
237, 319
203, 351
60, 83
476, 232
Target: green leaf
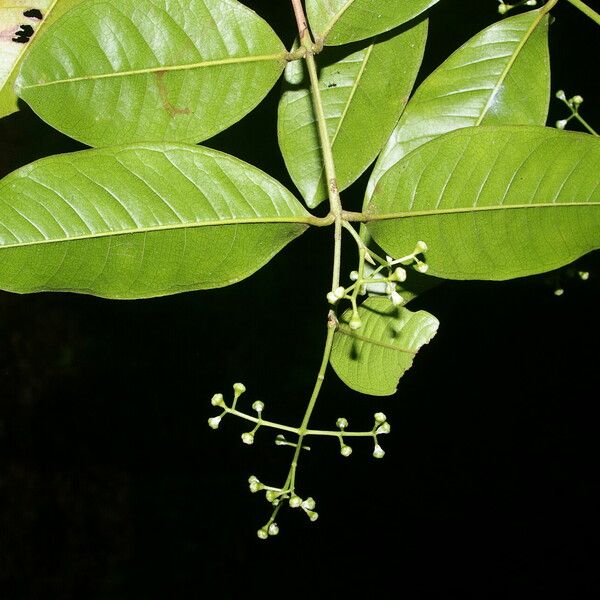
22, 16
140, 221
493, 202
501, 76
364, 89
343, 21
121, 71
372, 359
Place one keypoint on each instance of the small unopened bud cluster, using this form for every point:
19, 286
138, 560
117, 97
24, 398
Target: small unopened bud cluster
573, 105
503, 8
381, 427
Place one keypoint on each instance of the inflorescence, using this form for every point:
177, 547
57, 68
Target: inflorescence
573, 105
286, 495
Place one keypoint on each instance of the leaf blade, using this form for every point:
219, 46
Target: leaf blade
479, 84
176, 80
373, 359
140, 221
344, 21
493, 202
367, 82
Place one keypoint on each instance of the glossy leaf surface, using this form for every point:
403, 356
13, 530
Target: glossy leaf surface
493, 202
364, 89
501, 76
372, 359
140, 221
21, 22
151, 70
344, 21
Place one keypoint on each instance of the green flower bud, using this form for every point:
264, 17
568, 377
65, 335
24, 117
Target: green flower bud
561, 95
421, 247
332, 298
396, 298
400, 274
312, 515
308, 504
258, 406
380, 417
561, 124
271, 495
355, 323
217, 400
422, 267
273, 529
238, 389
295, 501
353, 275
378, 452
339, 292
577, 100
248, 438
341, 423
280, 440
583, 275
262, 533
559, 292
213, 422
383, 428
345, 451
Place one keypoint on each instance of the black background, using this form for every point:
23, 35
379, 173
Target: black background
112, 486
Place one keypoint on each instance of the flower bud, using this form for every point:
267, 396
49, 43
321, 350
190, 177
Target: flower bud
380, 417
331, 298
421, 247
273, 529
271, 496
295, 501
355, 323
559, 292
346, 451
239, 389
217, 400
262, 533
308, 504
400, 274
422, 267
561, 95
577, 100
353, 275
503, 8
341, 423
312, 515
378, 451
383, 428
339, 292
280, 440
583, 275
531, 3
213, 422
255, 486
561, 124
248, 438
258, 406
396, 298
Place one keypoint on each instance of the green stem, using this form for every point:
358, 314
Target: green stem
585, 123
586, 10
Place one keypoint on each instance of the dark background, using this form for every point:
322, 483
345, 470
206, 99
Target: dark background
112, 486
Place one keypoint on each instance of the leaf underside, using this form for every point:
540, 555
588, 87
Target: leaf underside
364, 88
345, 21
372, 359
140, 221
151, 70
493, 202
501, 76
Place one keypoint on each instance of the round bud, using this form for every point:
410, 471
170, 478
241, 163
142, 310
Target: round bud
248, 438
258, 406
383, 428
561, 95
421, 247
378, 452
577, 100
422, 267
280, 440
353, 275
583, 275
271, 496
339, 292
561, 124
531, 3
256, 486
400, 274
331, 298
559, 292
308, 504
253, 479
262, 533
213, 422
345, 451
238, 389
341, 423
380, 417
396, 298
503, 9
355, 323
295, 501
313, 516
273, 529
217, 400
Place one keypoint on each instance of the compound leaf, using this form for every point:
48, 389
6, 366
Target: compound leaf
364, 89
372, 359
151, 70
140, 221
492, 202
344, 21
501, 76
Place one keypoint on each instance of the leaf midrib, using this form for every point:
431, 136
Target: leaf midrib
280, 56
308, 220
341, 329
509, 66
336, 18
